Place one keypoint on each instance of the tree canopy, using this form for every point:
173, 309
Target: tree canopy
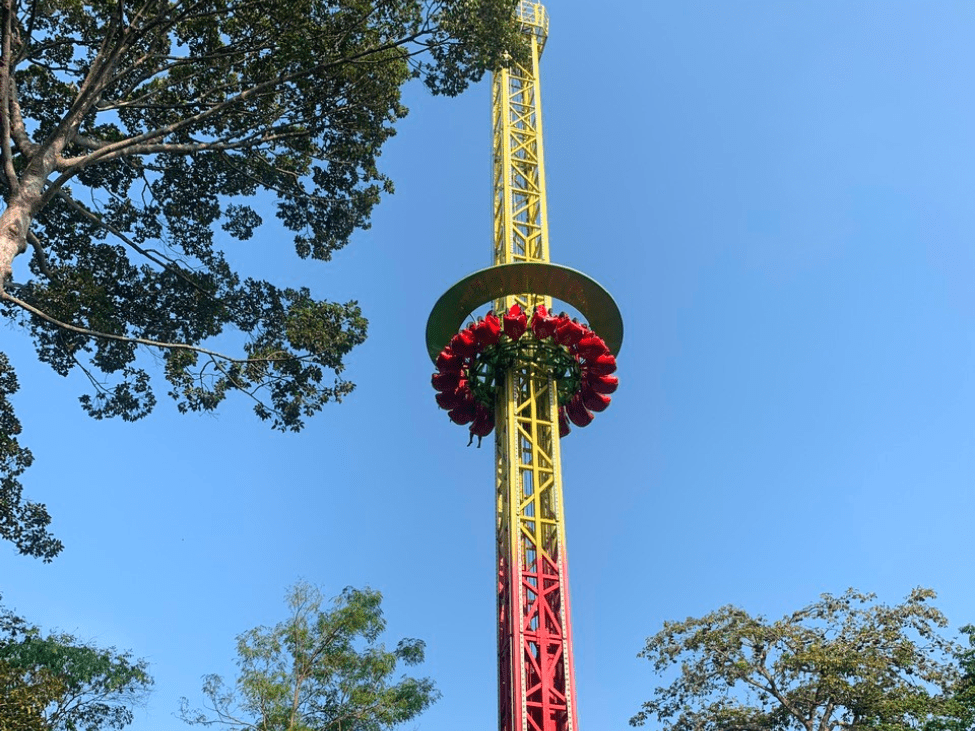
844, 662
321, 669
58, 683
965, 692
23, 698
135, 136
961, 698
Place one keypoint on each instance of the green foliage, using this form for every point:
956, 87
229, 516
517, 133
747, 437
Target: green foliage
964, 693
57, 683
23, 698
136, 132
319, 670
843, 662
22, 522
960, 715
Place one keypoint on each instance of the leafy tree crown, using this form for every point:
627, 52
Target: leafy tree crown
137, 138
844, 663
59, 683
321, 669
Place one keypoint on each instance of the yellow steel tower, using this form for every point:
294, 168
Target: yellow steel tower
537, 685
533, 372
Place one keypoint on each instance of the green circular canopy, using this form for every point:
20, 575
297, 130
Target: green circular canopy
560, 282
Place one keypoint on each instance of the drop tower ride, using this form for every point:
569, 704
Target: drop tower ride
526, 373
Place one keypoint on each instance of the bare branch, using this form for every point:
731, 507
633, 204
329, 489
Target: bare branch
255, 91
42, 262
6, 83
18, 129
6, 296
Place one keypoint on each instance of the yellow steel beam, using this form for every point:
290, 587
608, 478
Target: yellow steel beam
533, 591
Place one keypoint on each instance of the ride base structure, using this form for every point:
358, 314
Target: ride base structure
526, 374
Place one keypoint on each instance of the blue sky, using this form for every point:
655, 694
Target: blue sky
781, 197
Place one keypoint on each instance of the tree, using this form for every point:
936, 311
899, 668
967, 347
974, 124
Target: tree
319, 670
961, 699
23, 698
57, 683
843, 662
964, 694
133, 131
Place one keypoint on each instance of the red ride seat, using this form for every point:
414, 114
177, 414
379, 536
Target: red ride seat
569, 332
591, 347
594, 401
451, 399
515, 322
487, 332
483, 421
543, 324
602, 384
449, 361
577, 412
446, 382
464, 343
463, 414
603, 365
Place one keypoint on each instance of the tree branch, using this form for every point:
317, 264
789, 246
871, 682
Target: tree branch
6, 296
163, 262
127, 144
42, 262
18, 129
6, 83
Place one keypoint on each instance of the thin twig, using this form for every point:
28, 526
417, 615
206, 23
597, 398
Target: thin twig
137, 340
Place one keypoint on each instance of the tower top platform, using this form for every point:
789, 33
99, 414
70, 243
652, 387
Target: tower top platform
534, 21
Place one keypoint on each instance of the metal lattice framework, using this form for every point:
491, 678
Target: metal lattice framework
536, 682
535, 671
520, 216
